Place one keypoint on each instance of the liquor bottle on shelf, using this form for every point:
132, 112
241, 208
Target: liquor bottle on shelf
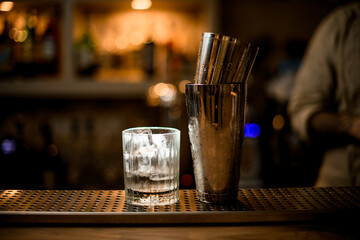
148, 58
49, 48
86, 55
27, 66
6, 50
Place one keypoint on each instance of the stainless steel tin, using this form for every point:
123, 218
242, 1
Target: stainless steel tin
223, 59
216, 120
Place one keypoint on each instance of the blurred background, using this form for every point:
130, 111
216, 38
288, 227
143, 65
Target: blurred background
75, 73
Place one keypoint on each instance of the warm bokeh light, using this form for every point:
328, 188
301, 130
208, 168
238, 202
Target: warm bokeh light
165, 91
6, 6
122, 42
19, 20
186, 180
278, 122
160, 89
162, 93
141, 4
32, 21
130, 30
21, 36
136, 38
18, 35
52, 150
2, 23
108, 44
182, 85
13, 32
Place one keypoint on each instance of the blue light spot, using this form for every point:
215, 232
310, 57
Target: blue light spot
252, 130
8, 146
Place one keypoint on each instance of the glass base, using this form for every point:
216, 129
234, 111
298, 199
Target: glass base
151, 199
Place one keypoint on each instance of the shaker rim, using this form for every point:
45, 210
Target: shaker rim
217, 36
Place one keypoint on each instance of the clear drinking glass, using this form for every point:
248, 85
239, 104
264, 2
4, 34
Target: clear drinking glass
151, 165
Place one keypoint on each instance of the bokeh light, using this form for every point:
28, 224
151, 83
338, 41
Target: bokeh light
6, 6
252, 130
136, 38
278, 122
8, 146
162, 93
182, 85
141, 4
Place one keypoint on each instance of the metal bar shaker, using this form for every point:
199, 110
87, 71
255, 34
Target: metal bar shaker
216, 115
216, 130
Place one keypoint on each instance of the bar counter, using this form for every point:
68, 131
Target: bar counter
261, 213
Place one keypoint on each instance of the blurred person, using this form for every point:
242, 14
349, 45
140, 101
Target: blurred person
325, 104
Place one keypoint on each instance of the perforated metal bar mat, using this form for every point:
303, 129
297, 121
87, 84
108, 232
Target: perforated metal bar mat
108, 206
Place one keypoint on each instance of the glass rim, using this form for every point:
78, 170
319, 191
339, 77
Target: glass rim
169, 129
